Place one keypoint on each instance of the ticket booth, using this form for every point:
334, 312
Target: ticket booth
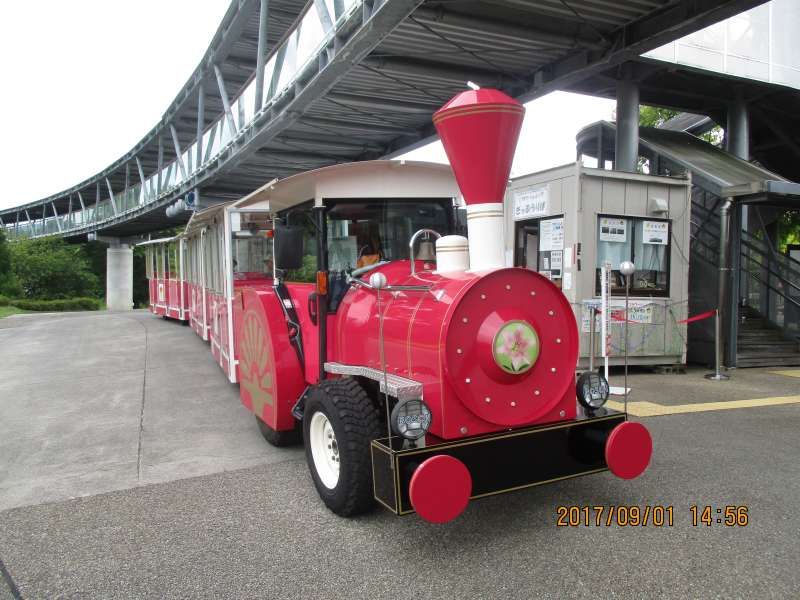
567, 222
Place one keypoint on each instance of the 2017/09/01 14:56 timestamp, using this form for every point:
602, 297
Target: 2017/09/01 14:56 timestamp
647, 515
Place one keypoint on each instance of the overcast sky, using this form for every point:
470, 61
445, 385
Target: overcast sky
84, 81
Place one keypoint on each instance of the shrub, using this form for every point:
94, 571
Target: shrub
66, 304
49, 268
4, 301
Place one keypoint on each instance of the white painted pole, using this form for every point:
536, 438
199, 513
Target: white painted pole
604, 307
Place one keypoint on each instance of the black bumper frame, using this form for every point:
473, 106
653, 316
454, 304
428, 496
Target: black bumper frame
500, 462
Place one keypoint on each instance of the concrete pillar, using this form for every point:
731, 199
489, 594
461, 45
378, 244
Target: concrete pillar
627, 144
119, 277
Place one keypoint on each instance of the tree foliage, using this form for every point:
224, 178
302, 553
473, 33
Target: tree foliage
8, 281
652, 116
788, 229
51, 269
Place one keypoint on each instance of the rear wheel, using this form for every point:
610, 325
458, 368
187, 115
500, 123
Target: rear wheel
339, 423
291, 437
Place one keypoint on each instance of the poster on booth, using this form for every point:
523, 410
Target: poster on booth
640, 312
531, 202
655, 232
551, 235
613, 229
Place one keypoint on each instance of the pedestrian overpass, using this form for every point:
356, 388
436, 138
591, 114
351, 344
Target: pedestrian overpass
291, 85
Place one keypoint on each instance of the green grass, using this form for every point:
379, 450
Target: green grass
5, 311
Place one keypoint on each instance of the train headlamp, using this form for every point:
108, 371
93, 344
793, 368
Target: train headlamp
411, 419
592, 390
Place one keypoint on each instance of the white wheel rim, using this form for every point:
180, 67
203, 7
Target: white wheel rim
324, 450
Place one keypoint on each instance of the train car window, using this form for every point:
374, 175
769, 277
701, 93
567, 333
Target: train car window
187, 260
217, 259
148, 262
363, 232
208, 259
644, 241
172, 260
192, 247
160, 260
251, 249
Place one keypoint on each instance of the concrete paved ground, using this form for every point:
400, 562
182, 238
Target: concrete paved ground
209, 510
94, 402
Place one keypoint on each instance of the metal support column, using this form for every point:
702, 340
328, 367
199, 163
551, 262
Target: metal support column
737, 134
111, 197
223, 94
723, 298
201, 124
160, 163
96, 201
737, 140
627, 143
141, 178
178, 152
55, 214
733, 300
263, 16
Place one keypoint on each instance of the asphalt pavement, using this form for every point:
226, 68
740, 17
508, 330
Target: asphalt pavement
160, 487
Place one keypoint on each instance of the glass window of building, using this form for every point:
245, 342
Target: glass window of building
644, 241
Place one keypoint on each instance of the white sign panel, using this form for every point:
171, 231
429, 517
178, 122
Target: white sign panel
612, 229
531, 202
556, 260
655, 232
639, 312
551, 235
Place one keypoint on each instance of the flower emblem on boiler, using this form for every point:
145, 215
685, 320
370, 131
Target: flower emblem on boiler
516, 347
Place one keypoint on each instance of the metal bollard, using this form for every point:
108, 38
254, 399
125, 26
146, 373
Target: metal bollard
717, 375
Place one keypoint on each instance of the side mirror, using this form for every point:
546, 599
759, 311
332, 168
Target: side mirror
288, 247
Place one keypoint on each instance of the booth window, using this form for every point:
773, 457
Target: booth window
642, 240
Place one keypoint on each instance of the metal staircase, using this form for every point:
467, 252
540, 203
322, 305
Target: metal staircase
768, 332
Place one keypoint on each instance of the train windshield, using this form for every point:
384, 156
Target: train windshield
363, 232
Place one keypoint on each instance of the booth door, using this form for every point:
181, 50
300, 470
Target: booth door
526, 251
539, 246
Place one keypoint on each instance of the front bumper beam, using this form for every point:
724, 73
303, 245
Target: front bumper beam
500, 462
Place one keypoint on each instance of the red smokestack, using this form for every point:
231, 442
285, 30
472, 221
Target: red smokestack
479, 131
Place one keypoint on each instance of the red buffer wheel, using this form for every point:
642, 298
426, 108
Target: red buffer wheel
628, 450
440, 488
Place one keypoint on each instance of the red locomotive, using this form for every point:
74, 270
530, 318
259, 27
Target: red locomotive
419, 370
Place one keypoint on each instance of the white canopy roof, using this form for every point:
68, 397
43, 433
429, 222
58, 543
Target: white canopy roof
366, 179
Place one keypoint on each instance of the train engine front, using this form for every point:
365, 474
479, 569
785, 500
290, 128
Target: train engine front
470, 365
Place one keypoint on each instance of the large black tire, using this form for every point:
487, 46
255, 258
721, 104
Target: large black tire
355, 421
292, 437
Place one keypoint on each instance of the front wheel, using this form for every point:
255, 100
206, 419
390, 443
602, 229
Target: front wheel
339, 423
